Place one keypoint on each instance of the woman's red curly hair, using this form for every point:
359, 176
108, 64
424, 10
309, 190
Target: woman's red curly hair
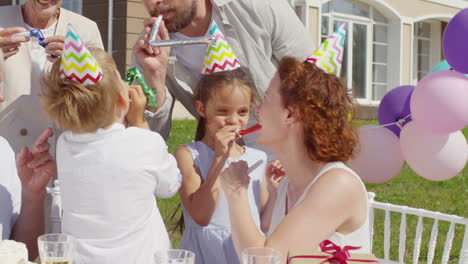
323, 105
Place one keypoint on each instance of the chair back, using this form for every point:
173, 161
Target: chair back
421, 215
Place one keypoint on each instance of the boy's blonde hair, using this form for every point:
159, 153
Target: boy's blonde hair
79, 108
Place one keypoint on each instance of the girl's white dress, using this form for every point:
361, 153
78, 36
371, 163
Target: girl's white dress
108, 181
358, 238
213, 244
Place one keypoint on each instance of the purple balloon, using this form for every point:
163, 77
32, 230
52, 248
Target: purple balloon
455, 42
395, 105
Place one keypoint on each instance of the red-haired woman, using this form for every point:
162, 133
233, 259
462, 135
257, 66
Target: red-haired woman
305, 123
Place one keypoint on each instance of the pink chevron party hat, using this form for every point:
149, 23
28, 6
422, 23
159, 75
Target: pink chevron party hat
329, 56
219, 56
77, 62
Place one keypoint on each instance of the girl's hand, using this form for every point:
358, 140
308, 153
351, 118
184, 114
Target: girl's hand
224, 140
235, 178
274, 174
138, 100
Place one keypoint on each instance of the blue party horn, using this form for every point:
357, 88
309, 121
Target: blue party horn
35, 33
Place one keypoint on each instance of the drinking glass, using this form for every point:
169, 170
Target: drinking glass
56, 248
174, 256
261, 255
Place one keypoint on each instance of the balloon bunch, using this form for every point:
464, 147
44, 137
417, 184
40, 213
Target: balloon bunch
421, 124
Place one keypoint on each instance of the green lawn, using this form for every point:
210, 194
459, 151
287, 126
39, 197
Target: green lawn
406, 189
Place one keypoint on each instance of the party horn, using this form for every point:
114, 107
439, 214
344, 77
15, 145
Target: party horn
135, 74
250, 130
155, 30
192, 41
162, 43
35, 33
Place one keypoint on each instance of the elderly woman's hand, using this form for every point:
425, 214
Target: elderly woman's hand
235, 178
54, 47
10, 44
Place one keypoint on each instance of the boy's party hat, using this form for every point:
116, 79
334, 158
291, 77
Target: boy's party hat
329, 56
77, 62
219, 56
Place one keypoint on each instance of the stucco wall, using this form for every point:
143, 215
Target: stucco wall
314, 24
406, 61
420, 8
136, 14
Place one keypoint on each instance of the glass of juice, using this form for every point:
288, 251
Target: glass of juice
56, 248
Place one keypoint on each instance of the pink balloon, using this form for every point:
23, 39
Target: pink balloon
439, 102
378, 156
436, 157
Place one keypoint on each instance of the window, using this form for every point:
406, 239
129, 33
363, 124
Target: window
422, 38
365, 56
427, 47
73, 5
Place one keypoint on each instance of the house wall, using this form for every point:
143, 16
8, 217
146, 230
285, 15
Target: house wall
136, 15
98, 10
407, 61
129, 16
420, 8
314, 24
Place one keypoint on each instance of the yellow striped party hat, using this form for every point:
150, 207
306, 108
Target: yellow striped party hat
219, 56
77, 62
329, 56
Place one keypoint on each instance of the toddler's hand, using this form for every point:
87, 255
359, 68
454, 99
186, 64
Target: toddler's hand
138, 100
235, 178
274, 174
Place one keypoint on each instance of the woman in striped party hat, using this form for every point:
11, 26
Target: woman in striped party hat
305, 122
109, 174
223, 98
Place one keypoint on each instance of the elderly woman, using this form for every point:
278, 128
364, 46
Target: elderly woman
21, 120
22, 198
21, 117
304, 119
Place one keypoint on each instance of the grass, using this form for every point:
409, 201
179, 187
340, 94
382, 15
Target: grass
406, 189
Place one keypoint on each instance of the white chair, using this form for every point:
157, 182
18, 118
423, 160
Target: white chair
421, 214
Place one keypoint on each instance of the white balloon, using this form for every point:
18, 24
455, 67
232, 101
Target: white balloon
378, 157
436, 157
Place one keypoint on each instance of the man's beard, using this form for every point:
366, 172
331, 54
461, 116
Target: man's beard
181, 18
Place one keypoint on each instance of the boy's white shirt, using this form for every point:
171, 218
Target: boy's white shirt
108, 181
10, 190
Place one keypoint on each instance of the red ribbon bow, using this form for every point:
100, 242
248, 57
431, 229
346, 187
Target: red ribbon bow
338, 255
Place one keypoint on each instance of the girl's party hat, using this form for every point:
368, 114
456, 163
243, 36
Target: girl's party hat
219, 56
329, 56
77, 62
